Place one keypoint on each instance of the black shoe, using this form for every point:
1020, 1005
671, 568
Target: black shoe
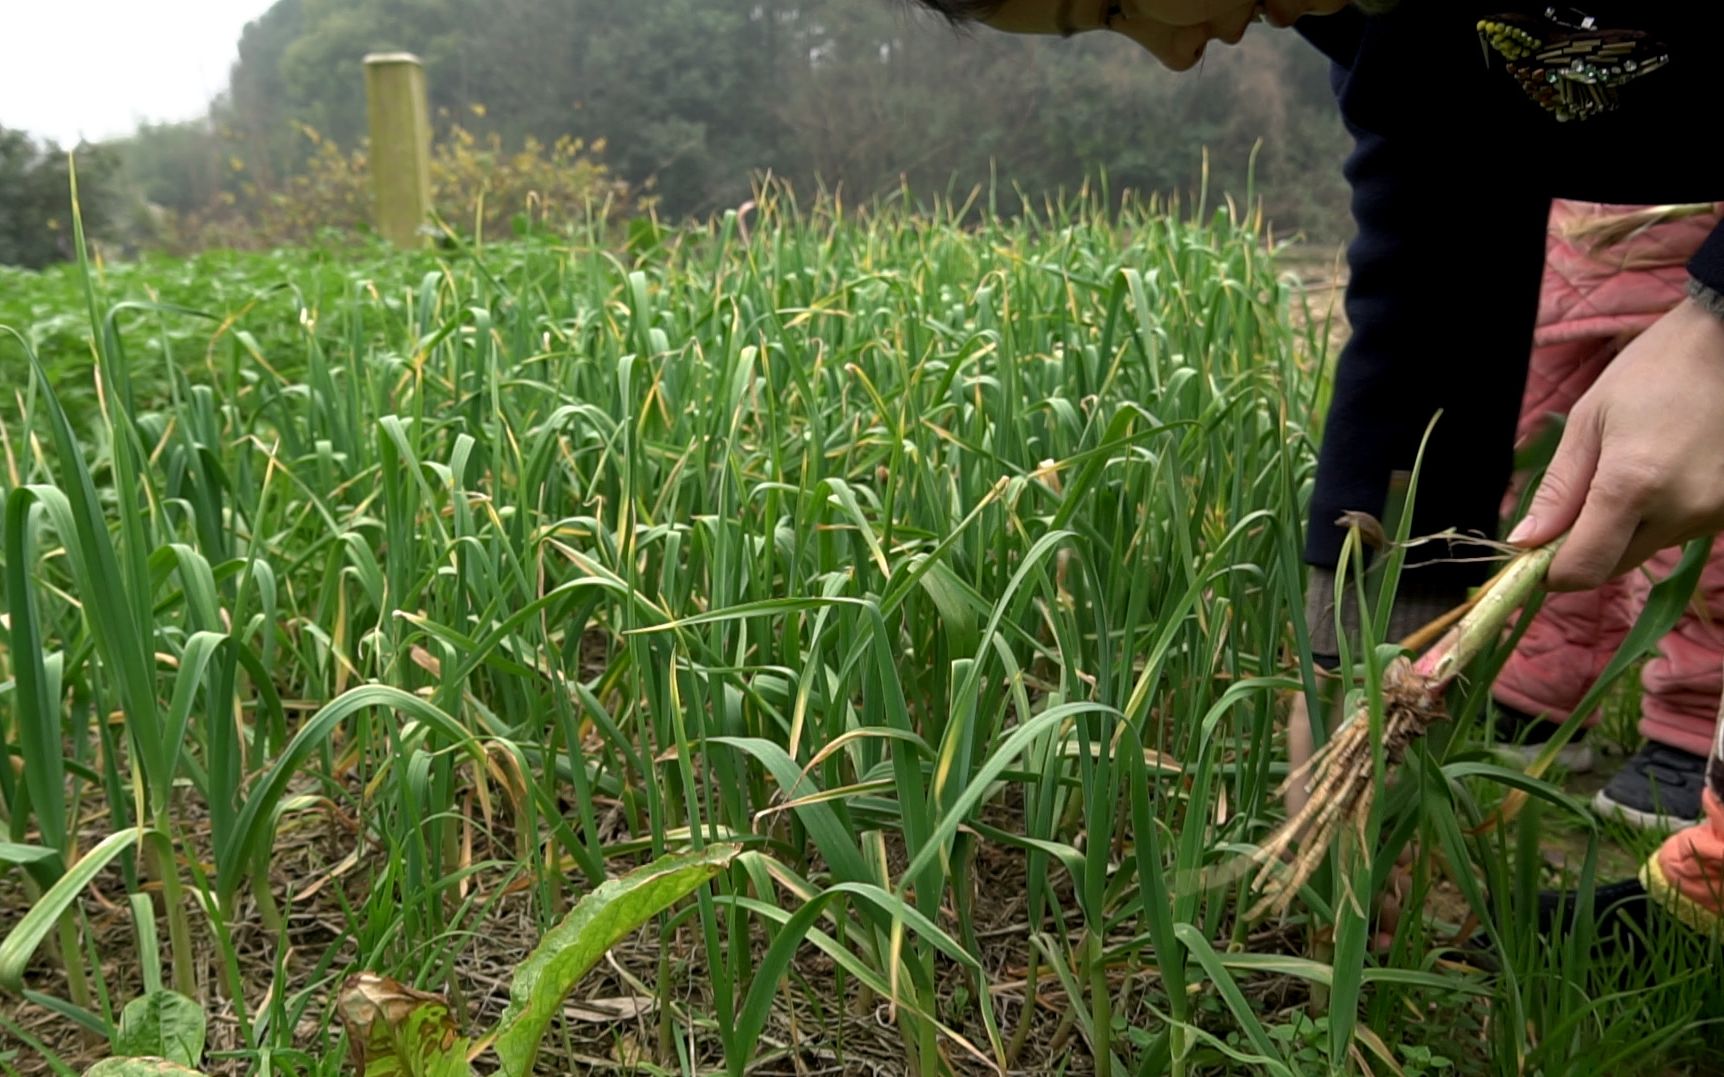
1614, 906
1658, 789
1521, 737
1623, 915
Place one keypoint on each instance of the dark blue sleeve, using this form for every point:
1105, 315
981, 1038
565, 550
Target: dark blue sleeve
1707, 265
1442, 298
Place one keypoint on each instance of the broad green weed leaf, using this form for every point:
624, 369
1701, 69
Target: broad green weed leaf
601, 920
162, 1024
140, 1067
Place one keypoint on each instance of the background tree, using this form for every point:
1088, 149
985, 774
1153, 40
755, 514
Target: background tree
694, 99
35, 203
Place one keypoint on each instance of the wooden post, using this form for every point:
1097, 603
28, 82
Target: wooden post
400, 123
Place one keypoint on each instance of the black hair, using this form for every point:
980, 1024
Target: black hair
962, 11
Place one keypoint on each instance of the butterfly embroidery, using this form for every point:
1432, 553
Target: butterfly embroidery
1568, 64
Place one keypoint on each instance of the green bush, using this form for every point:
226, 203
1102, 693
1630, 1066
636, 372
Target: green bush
478, 185
35, 203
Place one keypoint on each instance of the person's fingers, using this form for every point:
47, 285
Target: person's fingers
1179, 48
1392, 903
1389, 913
1285, 13
1601, 535
1229, 27
1642, 547
1183, 12
1388, 916
1563, 491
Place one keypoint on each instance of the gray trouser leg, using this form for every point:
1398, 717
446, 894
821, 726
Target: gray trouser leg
1415, 607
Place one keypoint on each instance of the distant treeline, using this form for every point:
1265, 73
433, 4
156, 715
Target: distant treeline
684, 104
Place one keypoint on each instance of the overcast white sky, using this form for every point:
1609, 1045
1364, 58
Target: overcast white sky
94, 68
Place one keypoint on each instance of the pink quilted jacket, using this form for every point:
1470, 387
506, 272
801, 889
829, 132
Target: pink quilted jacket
1610, 272
1601, 289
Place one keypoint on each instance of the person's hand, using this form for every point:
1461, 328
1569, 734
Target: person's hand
1173, 31
1641, 464
1176, 32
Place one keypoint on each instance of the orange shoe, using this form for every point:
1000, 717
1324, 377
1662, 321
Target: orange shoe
1686, 876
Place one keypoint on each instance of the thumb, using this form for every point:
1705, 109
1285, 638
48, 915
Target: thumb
1562, 492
